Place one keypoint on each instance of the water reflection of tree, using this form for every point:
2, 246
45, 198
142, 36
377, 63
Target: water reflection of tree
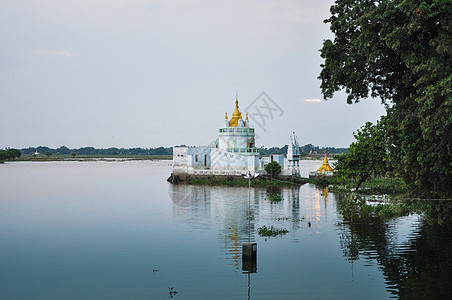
420, 268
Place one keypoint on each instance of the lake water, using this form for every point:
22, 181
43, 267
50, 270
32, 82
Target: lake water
118, 230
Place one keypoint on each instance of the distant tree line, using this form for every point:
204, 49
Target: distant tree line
305, 150
9, 154
63, 150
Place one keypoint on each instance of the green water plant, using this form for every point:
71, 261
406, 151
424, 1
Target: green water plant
274, 197
271, 231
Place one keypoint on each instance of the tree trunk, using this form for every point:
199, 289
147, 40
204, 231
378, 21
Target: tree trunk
361, 180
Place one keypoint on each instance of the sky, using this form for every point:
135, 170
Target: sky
150, 73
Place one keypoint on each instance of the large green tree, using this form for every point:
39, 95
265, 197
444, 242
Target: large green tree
367, 155
401, 52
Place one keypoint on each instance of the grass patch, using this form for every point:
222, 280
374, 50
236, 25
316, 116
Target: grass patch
271, 231
373, 186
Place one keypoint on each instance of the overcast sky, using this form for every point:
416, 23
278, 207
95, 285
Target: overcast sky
143, 73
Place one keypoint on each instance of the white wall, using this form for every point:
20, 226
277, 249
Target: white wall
184, 160
234, 139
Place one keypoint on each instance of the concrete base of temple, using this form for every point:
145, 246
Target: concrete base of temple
317, 174
188, 178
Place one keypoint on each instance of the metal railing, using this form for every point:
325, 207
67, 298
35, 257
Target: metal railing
243, 150
237, 130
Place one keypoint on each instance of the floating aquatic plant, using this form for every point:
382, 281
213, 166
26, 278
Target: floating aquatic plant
271, 231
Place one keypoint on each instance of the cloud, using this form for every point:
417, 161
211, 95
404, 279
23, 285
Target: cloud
56, 52
312, 100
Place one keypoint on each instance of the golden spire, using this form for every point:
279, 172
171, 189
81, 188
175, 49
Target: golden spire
226, 116
325, 165
236, 115
247, 116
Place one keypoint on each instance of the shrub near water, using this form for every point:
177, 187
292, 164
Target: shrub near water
354, 206
374, 186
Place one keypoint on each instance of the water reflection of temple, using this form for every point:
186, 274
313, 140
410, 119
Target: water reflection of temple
192, 204
225, 210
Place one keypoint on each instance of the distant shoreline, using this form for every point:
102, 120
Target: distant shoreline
44, 158
92, 157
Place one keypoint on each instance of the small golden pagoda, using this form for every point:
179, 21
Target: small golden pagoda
325, 166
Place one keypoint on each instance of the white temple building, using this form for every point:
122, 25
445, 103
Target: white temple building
233, 152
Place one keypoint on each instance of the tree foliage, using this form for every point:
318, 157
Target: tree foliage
367, 155
273, 168
400, 51
3, 155
9, 154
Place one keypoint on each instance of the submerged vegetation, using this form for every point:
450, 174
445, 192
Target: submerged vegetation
353, 206
271, 231
373, 186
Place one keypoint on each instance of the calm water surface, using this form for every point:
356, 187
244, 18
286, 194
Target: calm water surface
118, 230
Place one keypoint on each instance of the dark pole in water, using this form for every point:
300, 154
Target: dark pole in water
249, 250
249, 209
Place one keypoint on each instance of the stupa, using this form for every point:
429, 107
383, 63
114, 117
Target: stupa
325, 166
